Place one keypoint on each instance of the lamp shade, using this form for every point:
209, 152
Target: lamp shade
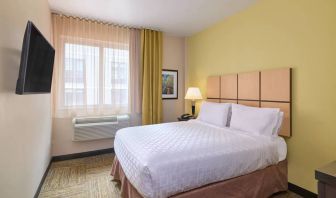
193, 93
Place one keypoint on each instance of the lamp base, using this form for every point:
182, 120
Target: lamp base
193, 109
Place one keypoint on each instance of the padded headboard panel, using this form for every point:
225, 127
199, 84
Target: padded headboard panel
269, 88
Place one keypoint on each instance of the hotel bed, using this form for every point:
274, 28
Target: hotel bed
167, 159
231, 150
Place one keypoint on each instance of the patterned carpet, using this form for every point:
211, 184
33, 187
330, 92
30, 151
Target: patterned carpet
89, 178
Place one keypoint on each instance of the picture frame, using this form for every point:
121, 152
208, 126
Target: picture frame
169, 84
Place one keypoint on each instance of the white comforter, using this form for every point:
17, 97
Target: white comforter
165, 159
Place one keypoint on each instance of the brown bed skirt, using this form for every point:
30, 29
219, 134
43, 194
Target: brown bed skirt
258, 184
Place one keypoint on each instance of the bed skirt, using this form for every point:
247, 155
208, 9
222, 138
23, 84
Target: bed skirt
258, 184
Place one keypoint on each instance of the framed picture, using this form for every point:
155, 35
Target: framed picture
169, 84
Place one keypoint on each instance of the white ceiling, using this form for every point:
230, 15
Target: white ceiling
177, 17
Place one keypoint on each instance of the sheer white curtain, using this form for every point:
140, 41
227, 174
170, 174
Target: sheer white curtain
135, 76
96, 69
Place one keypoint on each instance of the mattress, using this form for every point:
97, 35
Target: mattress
165, 159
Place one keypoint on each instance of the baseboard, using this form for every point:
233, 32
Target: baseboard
42, 180
301, 191
81, 155
69, 157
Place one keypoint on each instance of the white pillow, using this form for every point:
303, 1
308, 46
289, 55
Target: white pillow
279, 123
214, 113
262, 121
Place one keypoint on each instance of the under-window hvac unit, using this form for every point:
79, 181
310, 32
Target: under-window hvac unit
95, 128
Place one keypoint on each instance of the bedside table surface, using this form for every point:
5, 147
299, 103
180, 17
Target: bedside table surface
329, 169
327, 173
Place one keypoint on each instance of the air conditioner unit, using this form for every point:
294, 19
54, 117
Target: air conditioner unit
94, 128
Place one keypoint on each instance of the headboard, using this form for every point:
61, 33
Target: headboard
269, 88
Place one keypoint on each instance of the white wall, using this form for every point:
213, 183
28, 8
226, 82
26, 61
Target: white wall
174, 58
25, 121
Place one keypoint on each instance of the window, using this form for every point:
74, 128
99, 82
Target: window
116, 70
93, 66
95, 76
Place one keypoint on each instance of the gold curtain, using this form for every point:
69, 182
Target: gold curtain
151, 61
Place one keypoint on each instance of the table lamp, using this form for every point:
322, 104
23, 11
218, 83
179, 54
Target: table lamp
193, 94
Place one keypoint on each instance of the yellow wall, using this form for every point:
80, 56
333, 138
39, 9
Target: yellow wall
275, 34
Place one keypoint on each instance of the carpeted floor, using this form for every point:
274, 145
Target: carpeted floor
90, 178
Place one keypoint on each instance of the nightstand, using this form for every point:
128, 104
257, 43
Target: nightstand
326, 177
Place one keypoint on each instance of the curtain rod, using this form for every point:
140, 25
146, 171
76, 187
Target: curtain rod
95, 20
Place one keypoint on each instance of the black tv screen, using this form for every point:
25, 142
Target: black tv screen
37, 60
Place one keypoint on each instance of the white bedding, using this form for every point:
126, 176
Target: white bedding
165, 159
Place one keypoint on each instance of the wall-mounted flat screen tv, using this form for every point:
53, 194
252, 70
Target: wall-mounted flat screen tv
37, 60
